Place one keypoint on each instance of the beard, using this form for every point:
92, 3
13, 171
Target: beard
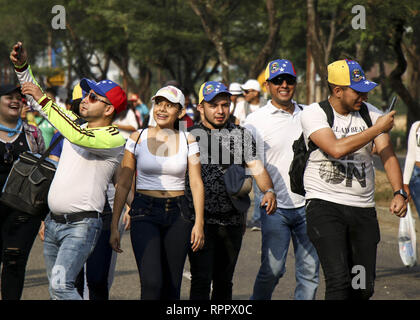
214, 125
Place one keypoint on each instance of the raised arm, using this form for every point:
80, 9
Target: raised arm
326, 140
63, 120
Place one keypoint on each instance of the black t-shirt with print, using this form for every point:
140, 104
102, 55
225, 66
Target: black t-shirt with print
219, 149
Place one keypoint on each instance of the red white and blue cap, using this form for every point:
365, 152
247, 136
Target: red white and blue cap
277, 67
350, 74
210, 89
109, 89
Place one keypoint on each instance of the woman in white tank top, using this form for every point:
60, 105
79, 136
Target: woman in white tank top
161, 229
411, 177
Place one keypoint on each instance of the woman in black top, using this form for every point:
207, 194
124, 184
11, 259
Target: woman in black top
17, 229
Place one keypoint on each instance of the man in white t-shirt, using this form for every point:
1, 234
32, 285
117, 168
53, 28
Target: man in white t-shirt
339, 181
253, 100
275, 127
91, 155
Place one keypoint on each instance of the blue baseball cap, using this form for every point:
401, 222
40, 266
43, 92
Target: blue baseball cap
278, 67
109, 89
350, 74
210, 89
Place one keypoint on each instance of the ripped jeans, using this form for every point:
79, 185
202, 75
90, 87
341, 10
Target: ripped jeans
18, 232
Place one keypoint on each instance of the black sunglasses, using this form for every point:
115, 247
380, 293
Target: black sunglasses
279, 80
8, 156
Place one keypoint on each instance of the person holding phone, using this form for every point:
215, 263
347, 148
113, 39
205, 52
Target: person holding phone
339, 179
93, 151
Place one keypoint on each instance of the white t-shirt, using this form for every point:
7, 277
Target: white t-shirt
160, 172
241, 112
81, 180
413, 151
349, 180
275, 131
128, 120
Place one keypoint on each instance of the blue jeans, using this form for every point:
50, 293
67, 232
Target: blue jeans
415, 188
160, 235
67, 246
277, 229
258, 195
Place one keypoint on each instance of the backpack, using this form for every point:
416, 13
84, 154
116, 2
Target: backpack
301, 153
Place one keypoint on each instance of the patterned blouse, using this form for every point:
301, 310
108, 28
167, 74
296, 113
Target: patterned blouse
219, 149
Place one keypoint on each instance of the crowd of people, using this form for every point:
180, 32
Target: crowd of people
179, 176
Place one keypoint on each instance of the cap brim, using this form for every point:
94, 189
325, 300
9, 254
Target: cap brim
168, 97
9, 89
279, 74
87, 85
364, 86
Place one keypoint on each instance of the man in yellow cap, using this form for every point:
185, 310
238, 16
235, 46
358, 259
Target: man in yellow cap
339, 180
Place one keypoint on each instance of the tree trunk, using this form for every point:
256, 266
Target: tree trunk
270, 45
396, 77
214, 33
316, 46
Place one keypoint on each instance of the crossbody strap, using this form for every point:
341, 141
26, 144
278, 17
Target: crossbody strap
48, 151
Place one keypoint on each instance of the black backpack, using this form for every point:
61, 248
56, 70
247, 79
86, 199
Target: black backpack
301, 154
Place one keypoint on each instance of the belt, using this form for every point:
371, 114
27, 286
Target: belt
74, 217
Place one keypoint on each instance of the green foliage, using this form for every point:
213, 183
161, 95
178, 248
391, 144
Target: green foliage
166, 37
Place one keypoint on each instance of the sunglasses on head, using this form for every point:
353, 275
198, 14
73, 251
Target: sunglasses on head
280, 79
8, 155
94, 98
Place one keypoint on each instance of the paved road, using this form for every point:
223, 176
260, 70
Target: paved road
394, 281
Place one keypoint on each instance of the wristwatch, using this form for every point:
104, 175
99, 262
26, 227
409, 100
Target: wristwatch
402, 193
270, 190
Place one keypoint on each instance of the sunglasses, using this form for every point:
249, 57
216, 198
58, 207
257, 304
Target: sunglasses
8, 156
94, 98
279, 80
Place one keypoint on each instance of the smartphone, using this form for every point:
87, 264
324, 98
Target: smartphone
392, 105
19, 51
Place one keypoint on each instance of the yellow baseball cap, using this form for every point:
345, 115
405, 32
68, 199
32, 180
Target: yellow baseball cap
77, 92
349, 73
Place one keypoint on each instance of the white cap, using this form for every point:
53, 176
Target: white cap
171, 93
235, 89
251, 84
